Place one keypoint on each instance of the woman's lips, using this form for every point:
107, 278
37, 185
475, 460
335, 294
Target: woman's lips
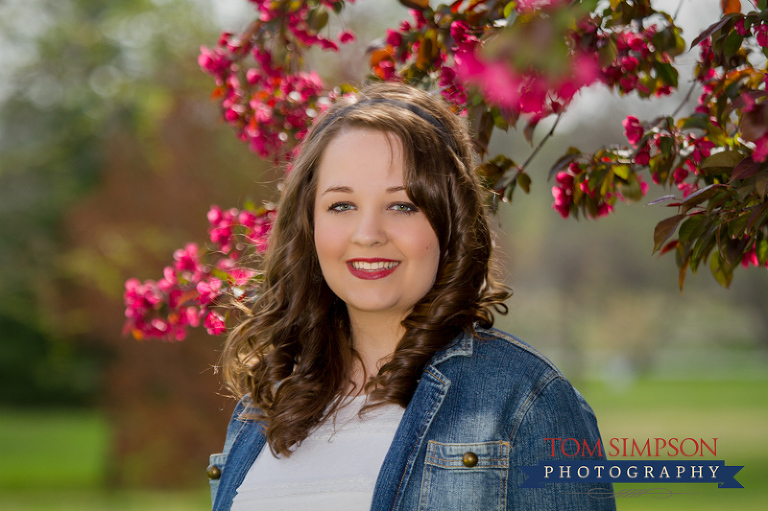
372, 269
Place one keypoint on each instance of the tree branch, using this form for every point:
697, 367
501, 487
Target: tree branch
541, 144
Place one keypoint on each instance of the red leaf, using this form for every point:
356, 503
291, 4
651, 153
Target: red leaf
664, 230
709, 31
665, 198
530, 127
730, 6
745, 168
761, 183
700, 196
753, 218
415, 4
669, 246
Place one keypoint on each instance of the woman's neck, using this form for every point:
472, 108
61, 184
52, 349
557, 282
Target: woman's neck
375, 337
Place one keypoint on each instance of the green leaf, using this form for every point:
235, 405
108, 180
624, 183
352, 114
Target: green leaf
705, 243
683, 265
606, 54
509, 12
597, 178
317, 19
666, 73
661, 165
722, 159
664, 230
690, 229
732, 44
738, 226
695, 121
631, 190
524, 182
761, 249
622, 171
499, 121
722, 272
666, 145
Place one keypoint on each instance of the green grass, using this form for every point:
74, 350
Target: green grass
52, 449
100, 500
734, 412
56, 460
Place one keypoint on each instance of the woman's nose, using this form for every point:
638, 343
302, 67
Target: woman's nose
370, 230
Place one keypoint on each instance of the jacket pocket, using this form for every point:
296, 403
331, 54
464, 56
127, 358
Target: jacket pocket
465, 476
215, 468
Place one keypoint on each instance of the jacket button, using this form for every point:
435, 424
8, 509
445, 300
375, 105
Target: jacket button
214, 472
469, 459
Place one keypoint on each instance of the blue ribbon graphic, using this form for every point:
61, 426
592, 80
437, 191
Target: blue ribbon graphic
640, 471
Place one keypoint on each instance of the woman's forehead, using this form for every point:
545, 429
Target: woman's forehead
360, 158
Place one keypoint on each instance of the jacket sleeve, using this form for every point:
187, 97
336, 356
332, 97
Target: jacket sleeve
556, 411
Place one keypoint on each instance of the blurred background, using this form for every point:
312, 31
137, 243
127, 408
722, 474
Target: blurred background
111, 153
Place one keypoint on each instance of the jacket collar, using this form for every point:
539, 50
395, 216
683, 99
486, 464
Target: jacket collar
463, 345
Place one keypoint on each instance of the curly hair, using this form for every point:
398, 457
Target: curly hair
293, 353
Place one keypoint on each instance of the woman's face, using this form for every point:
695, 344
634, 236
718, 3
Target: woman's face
377, 251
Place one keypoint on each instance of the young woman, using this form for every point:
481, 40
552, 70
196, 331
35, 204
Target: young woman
368, 371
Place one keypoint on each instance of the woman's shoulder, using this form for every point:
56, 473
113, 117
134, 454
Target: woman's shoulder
493, 347
492, 358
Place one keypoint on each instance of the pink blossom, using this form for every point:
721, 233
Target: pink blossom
687, 188
633, 130
168, 281
604, 209
563, 193
394, 38
562, 202
760, 153
643, 156
346, 37
192, 316
213, 62
208, 291
740, 28
679, 175
214, 324
629, 63
643, 185
532, 5
761, 34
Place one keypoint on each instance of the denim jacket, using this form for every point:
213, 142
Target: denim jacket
490, 395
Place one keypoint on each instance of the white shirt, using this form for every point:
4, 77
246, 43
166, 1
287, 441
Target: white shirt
335, 468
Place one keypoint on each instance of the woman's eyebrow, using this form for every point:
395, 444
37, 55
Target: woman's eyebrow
339, 189
348, 189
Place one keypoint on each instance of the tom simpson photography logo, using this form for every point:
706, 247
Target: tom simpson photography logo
687, 465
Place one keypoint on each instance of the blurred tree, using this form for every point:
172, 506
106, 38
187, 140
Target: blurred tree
109, 156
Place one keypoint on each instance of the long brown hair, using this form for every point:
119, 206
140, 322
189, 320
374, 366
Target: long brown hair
293, 353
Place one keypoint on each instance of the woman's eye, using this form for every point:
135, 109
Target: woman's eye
404, 207
338, 207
